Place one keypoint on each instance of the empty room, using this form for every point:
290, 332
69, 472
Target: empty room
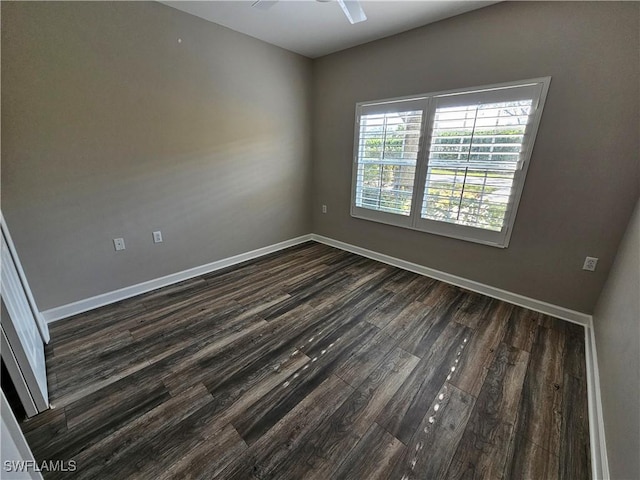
320, 239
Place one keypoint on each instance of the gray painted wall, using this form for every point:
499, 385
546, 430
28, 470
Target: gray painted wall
583, 178
617, 328
110, 128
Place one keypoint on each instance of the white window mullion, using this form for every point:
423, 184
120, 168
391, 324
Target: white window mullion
421, 168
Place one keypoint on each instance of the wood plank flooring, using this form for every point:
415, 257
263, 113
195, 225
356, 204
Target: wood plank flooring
315, 363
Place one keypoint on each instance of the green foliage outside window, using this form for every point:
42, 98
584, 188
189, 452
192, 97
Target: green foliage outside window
389, 187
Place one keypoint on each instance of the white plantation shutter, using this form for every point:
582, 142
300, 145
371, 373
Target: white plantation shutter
474, 155
471, 172
387, 155
387, 146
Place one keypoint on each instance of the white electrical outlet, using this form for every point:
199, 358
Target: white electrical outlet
590, 264
118, 244
324, 209
157, 237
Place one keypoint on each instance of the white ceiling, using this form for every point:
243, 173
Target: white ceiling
316, 28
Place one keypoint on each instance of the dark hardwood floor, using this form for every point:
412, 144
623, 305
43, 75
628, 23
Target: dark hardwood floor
315, 363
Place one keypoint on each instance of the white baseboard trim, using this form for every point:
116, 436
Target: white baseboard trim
65, 311
91, 303
599, 458
517, 299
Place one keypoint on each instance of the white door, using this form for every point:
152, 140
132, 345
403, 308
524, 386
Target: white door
42, 324
20, 328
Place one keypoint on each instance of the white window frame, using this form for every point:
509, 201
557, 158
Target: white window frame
428, 104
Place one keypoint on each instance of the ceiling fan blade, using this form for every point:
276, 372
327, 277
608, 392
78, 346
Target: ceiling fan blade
264, 4
353, 10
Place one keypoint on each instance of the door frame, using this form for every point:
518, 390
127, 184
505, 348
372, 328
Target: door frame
43, 328
22, 336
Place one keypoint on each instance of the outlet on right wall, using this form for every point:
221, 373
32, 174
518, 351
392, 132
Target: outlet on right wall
617, 330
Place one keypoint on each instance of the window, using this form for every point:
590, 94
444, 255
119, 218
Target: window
450, 163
